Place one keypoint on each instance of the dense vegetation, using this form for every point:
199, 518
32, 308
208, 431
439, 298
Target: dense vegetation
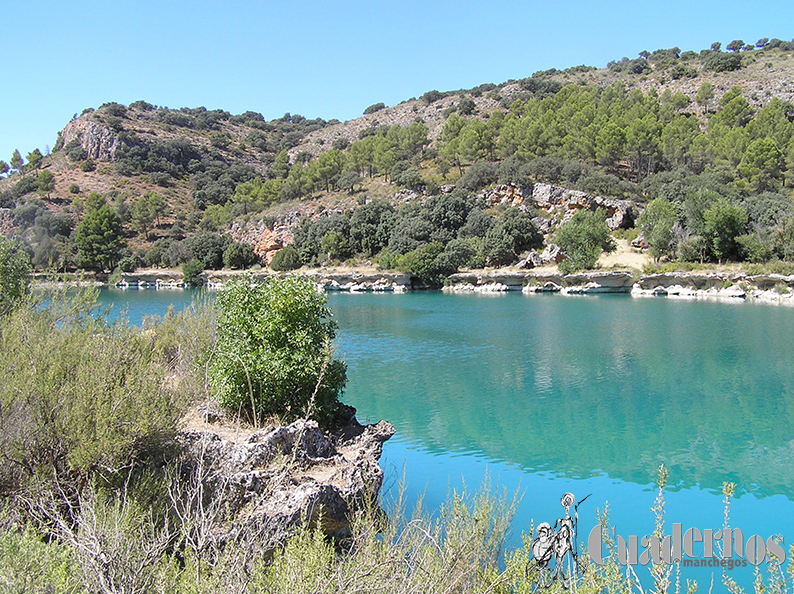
715, 162
273, 354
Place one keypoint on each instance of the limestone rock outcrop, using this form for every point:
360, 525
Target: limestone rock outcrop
98, 141
279, 477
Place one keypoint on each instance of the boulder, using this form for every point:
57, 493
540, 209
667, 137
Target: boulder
278, 477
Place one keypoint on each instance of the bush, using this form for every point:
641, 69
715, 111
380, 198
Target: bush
239, 255
722, 62
14, 269
427, 264
273, 355
191, 273
208, 248
374, 107
128, 264
583, 238
94, 402
478, 176
286, 259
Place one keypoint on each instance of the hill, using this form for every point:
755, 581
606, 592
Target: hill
703, 136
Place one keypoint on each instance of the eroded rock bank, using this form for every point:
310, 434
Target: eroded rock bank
263, 484
772, 288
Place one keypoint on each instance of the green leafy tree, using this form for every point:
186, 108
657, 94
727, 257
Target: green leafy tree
4, 167
724, 223
705, 94
735, 46
330, 165
274, 354
427, 263
335, 245
348, 181
14, 271
34, 159
191, 273
281, 166
157, 205
141, 217
287, 258
99, 235
45, 182
16, 161
374, 107
656, 223
762, 164
583, 239
239, 256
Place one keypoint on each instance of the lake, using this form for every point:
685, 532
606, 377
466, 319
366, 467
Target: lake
589, 394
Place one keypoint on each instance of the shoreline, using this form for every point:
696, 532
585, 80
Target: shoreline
764, 288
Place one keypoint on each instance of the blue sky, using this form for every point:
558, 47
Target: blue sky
322, 59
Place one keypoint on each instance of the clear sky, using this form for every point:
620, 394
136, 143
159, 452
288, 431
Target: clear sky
323, 59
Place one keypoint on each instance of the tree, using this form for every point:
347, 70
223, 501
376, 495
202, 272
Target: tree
34, 159
45, 182
287, 258
141, 217
157, 205
335, 245
239, 256
583, 238
348, 180
280, 168
724, 222
467, 106
4, 168
705, 94
656, 223
16, 161
14, 271
98, 237
426, 263
374, 107
274, 353
762, 164
735, 45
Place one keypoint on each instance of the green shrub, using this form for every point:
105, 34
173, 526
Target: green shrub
239, 256
273, 354
191, 273
80, 398
286, 259
583, 238
14, 270
374, 107
128, 264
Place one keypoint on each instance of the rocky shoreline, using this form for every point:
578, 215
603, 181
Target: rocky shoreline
771, 288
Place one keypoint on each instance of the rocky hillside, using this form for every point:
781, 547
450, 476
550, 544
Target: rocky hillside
667, 123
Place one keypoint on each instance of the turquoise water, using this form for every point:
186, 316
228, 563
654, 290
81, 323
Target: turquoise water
548, 394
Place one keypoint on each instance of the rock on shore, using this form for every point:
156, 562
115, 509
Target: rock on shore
278, 477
